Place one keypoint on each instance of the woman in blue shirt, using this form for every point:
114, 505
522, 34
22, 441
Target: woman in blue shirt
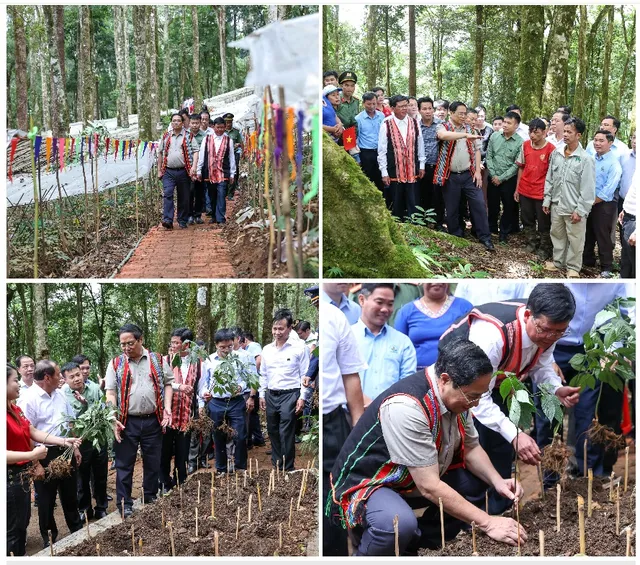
426, 319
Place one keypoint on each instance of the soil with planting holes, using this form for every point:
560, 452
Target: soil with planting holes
600, 529
260, 537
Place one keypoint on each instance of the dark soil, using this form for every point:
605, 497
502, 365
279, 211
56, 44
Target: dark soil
258, 538
600, 529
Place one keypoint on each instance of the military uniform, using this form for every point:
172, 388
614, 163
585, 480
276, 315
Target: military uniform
347, 111
236, 137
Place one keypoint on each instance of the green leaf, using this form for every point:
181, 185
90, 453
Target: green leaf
550, 402
577, 361
176, 361
505, 389
522, 396
515, 413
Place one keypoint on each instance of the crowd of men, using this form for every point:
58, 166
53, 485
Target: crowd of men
506, 176
157, 401
199, 161
412, 414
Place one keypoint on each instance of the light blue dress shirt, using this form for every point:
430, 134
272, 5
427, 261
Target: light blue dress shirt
619, 149
608, 174
628, 163
390, 356
206, 381
368, 129
348, 307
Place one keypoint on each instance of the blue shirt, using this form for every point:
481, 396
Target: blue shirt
608, 174
348, 307
628, 163
390, 356
210, 366
368, 129
424, 331
430, 141
619, 149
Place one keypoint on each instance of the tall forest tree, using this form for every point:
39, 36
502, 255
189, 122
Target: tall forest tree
412, 50
583, 63
479, 58
122, 62
164, 317
529, 90
195, 45
60, 113
222, 33
86, 103
141, 41
203, 313
629, 36
152, 17
20, 42
166, 62
606, 63
267, 314
40, 321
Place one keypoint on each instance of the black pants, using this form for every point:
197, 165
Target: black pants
628, 267
457, 185
404, 197
143, 431
233, 411
537, 224
67, 489
502, 193
431, 195
281, 426
369, 164
335, 430
174, 444
254, 427
599, 231
96, 461
18, 510
196, 201
175, 180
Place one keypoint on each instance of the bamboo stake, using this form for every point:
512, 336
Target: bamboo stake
50, 542
541, 478
473, 539
280, 533
300, 493
173, 545
257, 467
133, 539
36, 204
290, 512
11, 554
196, 521
199, 492
244, 485
259, 500
162, 508
584, 456
517, 505
139, 546
228, 500
122, 504
213, 504
216, 542
583, 543
86, 518
212, 479
541, 538
611, 486
590, 494
626, 467
286, 196
249, 508
236, 484
237, 522
628, 553
396, 534
283, 466
267, 158
441, 520
618, 511
558, 491
136, 196
98, 549
486, 501
250, 469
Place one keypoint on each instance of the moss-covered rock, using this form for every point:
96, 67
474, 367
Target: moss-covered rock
360, 238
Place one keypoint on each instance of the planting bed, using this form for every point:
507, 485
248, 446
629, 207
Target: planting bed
600, 529
258, 538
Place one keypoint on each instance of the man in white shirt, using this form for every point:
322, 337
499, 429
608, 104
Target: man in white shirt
341, 365
45, 406
284, 367
518, 338
26, 366
254, 432
556, 136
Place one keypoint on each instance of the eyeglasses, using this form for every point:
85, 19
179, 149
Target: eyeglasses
128, 344
475, 399
550, 333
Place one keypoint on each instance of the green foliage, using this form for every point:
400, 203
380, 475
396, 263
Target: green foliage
311, 440
229, 372
195, 353
94, 425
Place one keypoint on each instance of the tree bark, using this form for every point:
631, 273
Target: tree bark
326, 11
166, 63
530, 64
387, 52
222, 33
195, 81
27, 319
267, 313
272, 12
127, 50
20, 41
371, 42
583, 62
40, 321
141, 49
152, 18
122, 61
203, 312
79, 287
629, 41
412, 50
59, 122
86, 76
479, 58
164, 318
58, 20
606, 63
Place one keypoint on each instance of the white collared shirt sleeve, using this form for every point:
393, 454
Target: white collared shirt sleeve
543, 371
382, 150
203, 385
264, 374
232, 160
304, 363
201, 155
421, 154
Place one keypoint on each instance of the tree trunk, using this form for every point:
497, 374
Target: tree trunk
412, 50
20, 41
479, 58
122, 61
127, 58
387, 52
166, 63
272, 12
183, 71
606, 64
371, 42
152, 31
630, 41
85, 74
234, 68
582, 66
40, 322
267, 314
195, 78
222, 32
326, 11
58, 96
58, 20
555, 93
203, 312
141, 49
79, 316
530, 65
27, 319
164, 318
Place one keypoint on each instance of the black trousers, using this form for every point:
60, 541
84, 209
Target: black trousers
143, 431
430, 195
281, 426
18, 510
404, 197
67, 489
457, 185
369, 164
628, 267
174, 444
335, 430
96, 461
599, 231
537, 224
196, 201
503, 193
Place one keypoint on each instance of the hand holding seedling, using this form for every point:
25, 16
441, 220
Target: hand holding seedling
508, 488
504, 530
527, 448
568, 395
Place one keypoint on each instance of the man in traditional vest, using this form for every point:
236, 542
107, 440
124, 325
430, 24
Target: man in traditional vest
519, 337
177, 438
238, 146
458, 171
400, 159
415, 444
217, 166
196, 195
176, 156
138, 383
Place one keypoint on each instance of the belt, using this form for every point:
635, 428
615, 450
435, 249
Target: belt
15, 473
460, 172
280, 392
335, 413
628, 217
175, 168
152, 415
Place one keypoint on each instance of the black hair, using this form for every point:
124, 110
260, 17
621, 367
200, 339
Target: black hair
130, 329
185, 334
616, 121
514, 116
610, 137
378, 89
211, 122
367, 289
576, 123
394, 100
219, 120
283, 314
455, 105
80, 359
205, 112
224, 334
563, 116
176, 114
302, 326
44, 368
20, 358
11, 369
463, 361
330, 74
71, 366
248, 335
471, 110
413, 98
552, 300
564, 109
512, 108
184, 112
369, 96
481, 107
195, 117
237, 331
442, 103
423, 100
537, 123
497, 118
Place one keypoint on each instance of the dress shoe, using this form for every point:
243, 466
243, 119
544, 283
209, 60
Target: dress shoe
182, 226
100, 514
167, 225
488, 245
606, 275
259, 443
212, 221
109, 498
268, 452
191, 221
199, 220
84, 514
128, 512
191, 469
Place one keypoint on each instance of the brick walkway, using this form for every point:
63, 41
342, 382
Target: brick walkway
200, 251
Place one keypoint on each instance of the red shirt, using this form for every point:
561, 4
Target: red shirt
18, 433
535, 163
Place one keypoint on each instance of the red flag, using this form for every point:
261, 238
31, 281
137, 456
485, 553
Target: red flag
349, 138
14, 145
106, 148
115, 152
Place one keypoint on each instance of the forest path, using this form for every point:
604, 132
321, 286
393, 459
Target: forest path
200, 251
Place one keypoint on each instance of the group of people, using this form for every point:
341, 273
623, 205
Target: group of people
505, 176
199, 160
412, 412
157, 400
